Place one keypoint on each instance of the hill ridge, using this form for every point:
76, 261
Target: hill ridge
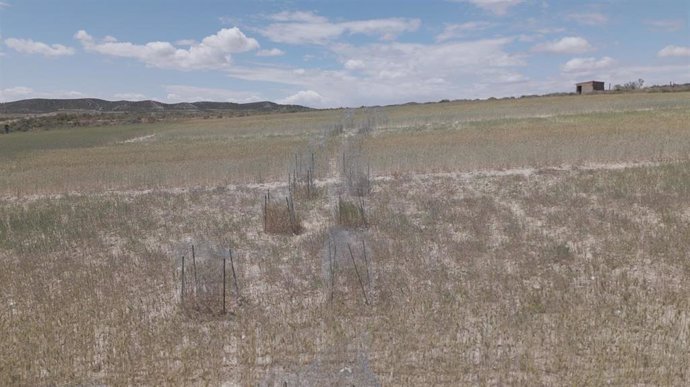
51, 105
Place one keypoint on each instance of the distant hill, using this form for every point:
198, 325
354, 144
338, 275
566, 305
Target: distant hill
94, 105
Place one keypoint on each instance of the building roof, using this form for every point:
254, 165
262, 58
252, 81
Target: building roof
584, 83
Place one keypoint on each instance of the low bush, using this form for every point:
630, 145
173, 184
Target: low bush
351, 215
281, 218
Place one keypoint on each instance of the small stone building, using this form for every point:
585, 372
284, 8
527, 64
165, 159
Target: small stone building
589, 87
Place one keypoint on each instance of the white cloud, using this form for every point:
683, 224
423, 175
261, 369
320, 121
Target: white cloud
308, 98
4, 4
130, 96
271, 52
393, 72
298, 16
498, 7
15, 93
567, 45
22, 92
354, 64
309, 28
186, 42
398, 73
674, 51
185, 93
388, 29
587, 65
301, 33
449, 57
452, 31
589, 18
212, 53
669, 25
28, 46
84, 37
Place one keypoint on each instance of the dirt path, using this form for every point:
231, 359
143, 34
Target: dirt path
331, 181
532, 171
138, 139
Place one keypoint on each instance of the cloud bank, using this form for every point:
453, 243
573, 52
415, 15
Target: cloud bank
214, 51
28, 46
309, 28
567, 45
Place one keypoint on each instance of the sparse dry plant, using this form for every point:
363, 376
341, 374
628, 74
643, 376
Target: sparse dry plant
356, 172
302, 179
535, 241
280, 217
351, 214
204, 280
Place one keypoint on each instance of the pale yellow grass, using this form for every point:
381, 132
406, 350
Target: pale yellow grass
537, 142
541, 276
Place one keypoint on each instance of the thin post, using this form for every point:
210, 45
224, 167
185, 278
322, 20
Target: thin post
361, 211
364, 293
291, 214
308, 183
265, 210
234, 276
335, 255
340, 210
287, 200
350, 177
196, 282
223, 285
368, 178
294, 215
330, 265
182, 291
366, 261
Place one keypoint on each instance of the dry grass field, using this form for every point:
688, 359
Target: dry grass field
534, 241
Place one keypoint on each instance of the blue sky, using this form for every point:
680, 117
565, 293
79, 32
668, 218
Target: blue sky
327, 54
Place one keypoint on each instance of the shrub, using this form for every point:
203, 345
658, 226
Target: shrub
281, 218
202, 285
351, 215
302, 180
632, 85
356, 174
